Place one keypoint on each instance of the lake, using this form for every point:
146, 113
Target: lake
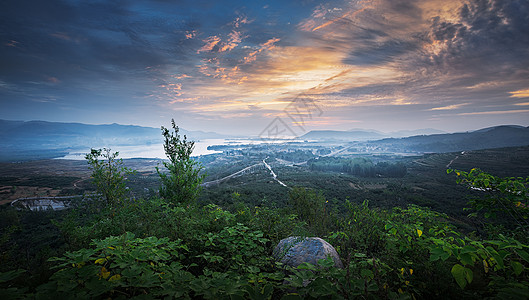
157, 151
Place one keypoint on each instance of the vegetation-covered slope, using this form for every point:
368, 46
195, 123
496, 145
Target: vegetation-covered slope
170, 246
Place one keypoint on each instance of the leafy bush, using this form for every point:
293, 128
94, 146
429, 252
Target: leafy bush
361, 278
121, 267
311, 208
506, 196
276, 224
232, 265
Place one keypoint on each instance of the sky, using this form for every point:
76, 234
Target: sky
259, 67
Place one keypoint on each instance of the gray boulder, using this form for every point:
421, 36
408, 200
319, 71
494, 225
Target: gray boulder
294, 251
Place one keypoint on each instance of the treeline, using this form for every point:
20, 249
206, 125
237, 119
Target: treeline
294, 156
358, 166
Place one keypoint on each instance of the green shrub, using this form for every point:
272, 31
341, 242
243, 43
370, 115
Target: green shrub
310, 207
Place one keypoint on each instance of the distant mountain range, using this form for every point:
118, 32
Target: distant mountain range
487, 138
334, 135
363, 134
20, 139
424, 141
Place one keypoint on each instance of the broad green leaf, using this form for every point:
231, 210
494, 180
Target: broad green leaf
458, 271
499, 260
10, 275
517, 267
469, 275
503, 254
496, 256
367, 273
306, 266
439, 253
466, 259
373, 287
522, 254
326, 262
468, 249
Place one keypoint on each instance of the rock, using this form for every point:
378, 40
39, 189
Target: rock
294, 251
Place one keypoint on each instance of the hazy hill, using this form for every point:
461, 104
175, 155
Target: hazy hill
495, 127
493, 137
406, 133
334, 135
358, 134
20, 140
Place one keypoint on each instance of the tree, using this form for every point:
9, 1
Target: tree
182, 183
108, 174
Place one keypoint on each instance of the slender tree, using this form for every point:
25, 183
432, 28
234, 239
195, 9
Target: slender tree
108, 174
181, 184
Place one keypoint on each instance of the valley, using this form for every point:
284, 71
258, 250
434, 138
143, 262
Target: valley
245, 170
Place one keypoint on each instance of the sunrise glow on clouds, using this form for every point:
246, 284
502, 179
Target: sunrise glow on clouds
235, 66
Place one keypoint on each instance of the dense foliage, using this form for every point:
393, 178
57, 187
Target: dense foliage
212, 253
508, 197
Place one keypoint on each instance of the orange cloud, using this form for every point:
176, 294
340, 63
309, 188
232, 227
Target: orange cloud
520, 94
215, 43
210, 43
191, 34
287, 72
180, 100
496, 112
183, 76
239, 21
213, 68
252, 56
235, 38
449, 107
330, 22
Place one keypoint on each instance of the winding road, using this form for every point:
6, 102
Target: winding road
273, 173
455, 158
240, 172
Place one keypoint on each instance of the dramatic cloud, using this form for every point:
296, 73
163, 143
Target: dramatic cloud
214, 65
